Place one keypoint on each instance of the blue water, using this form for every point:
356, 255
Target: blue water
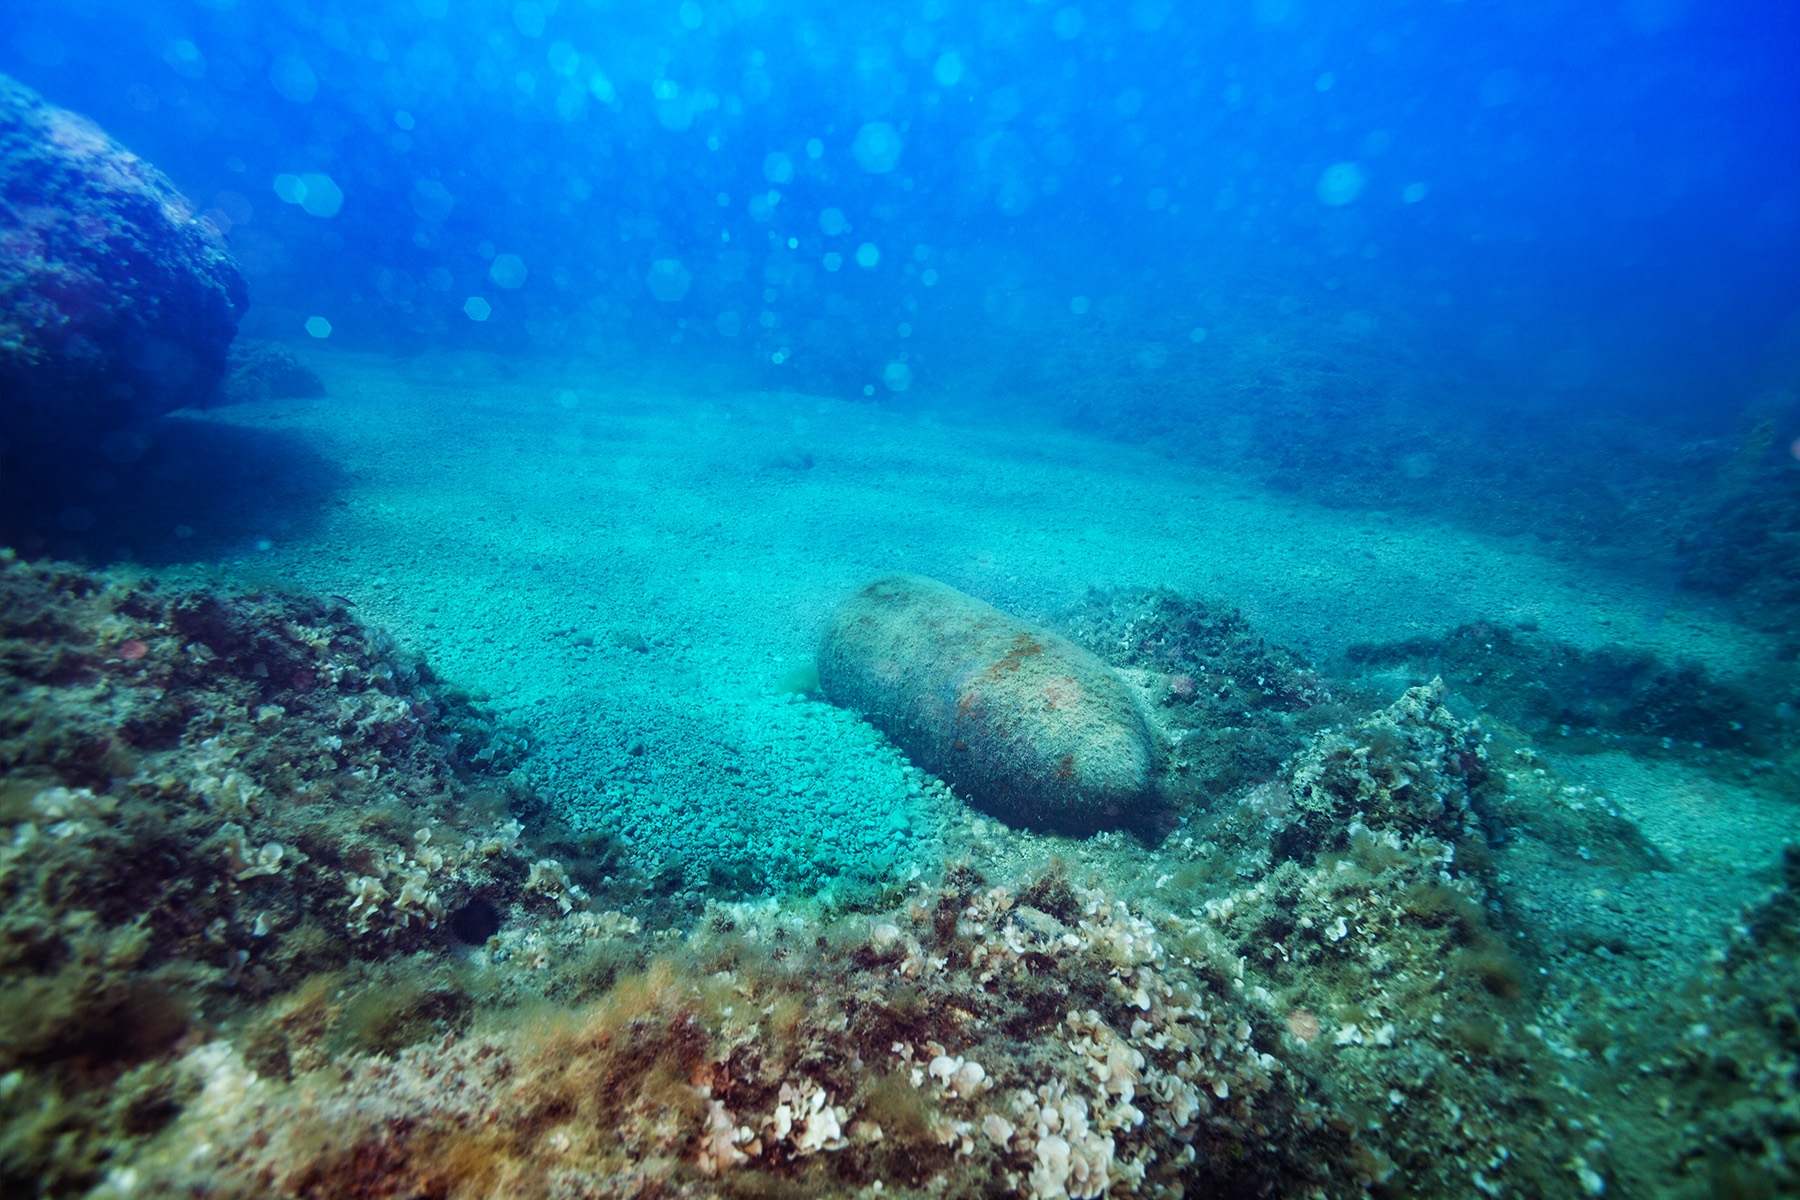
1581, 205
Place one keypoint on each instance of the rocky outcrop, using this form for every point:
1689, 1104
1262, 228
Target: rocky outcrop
266, 371
116, 302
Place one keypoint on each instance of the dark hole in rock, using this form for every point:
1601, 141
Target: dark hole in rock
476, 921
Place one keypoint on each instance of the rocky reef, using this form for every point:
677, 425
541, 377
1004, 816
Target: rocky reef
212, 799
283, 920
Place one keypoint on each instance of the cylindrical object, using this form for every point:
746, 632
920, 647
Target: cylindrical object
1039, 731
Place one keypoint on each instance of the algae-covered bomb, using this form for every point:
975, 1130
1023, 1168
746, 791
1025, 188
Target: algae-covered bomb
1037, 730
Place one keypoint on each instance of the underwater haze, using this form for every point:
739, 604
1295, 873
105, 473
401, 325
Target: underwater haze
759, 598
1589, 204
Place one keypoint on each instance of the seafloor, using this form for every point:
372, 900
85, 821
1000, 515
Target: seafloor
438, 805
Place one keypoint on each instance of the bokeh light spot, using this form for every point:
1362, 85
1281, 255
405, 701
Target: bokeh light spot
185, 59
432, 201
290, 189
1340, 184
320, 197
563, 58
508, 270
529, 18
294, 79
668, 280
877, 147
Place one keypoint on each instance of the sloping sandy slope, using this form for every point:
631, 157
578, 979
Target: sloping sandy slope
633, 567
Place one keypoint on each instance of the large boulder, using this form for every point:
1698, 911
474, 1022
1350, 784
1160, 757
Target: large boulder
116, 302
1037, 730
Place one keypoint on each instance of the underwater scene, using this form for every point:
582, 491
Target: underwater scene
767, 599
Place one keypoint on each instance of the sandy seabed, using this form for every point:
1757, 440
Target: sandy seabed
610, 557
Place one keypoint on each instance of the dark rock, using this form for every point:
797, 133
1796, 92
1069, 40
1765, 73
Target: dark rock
116, 302
266, 371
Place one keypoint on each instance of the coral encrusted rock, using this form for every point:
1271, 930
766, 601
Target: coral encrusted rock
1039, 731
116, 302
